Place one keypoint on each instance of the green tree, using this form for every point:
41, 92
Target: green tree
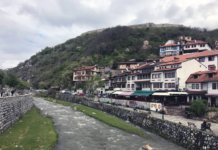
199, 107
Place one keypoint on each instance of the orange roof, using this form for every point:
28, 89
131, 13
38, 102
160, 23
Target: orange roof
202, 76
184, 57
167, 45
148, 65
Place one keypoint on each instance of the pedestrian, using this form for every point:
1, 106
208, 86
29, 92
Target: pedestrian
12, 92
204, 125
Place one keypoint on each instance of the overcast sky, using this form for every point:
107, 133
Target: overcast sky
27, 26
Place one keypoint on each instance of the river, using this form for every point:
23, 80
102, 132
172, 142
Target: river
77, 131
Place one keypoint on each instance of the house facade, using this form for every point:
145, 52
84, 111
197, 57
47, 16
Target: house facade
170, 48
195, 46
171, 76
143, 76
85, 73
207, 58
126, 66
203, 85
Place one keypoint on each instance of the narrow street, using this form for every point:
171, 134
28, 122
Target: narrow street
79, 132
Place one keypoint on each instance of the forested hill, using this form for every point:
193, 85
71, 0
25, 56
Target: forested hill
53, 65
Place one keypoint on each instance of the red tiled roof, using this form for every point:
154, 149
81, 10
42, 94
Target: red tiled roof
168, 45
149, 65
184, 57
203, 76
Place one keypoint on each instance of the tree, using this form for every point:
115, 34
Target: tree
2, 75
199, 107
11, 80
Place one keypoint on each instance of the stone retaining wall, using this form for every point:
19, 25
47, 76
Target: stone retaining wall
12, 108
193, 139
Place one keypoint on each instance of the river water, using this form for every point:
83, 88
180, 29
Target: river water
77, 131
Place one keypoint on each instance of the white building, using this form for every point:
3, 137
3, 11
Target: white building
203, 85
130, 82
195, 46
207, 58
143, 76
170, 48
171, 76
85, 73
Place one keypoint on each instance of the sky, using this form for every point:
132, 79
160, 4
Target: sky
28, 26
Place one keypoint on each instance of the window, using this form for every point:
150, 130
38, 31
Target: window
157, 75
211, 58
128, 85
133, 77
169, 85
215, 86
128, 77
133, 86
210, 75
195, 86
195, 76
201, 59
169, 75
157, 85
211, 67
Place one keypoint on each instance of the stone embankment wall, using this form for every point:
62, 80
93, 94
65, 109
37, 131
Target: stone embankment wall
12, 108
193, 139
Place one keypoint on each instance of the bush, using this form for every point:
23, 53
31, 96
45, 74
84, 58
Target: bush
199, 107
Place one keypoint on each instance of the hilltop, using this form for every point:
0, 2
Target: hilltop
105, 47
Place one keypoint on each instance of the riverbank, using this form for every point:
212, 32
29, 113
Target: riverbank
103, 117
32, 131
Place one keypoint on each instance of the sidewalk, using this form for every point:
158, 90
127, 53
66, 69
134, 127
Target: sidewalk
177, 119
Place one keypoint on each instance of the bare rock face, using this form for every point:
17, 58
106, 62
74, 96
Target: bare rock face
145, 44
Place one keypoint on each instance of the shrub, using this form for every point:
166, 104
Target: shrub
199, 107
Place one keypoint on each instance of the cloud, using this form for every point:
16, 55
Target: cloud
27, 26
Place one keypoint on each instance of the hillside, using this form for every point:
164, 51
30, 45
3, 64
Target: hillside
53, 65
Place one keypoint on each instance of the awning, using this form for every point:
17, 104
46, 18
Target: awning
117, 92
169, 93
142, 93
161, 94
109, 92
126, 93
178, 93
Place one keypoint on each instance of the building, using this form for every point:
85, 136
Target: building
170, 48
195, 46
173, 48
85, 73
118, 81
126, 66
143, 76
207, 58
203, 85
172, 75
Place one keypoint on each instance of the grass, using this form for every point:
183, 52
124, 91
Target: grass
32, 132
104, 117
